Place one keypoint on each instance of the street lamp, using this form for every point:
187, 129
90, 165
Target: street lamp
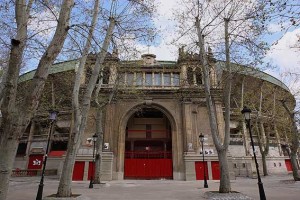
246, 112
93, 167
52, 118
201, 140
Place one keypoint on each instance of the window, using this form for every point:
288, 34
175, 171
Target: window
198, 76
148, 79
130, 79
167, 79
22, 149
176, 79
139, 79
157, 79
106, 75
122, 78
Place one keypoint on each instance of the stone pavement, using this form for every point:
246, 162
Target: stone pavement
276, 187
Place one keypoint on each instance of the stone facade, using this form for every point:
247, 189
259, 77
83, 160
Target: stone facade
173, 90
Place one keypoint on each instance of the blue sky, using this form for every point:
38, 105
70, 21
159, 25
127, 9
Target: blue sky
284, 57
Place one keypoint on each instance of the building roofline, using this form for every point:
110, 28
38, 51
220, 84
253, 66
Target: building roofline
72, 64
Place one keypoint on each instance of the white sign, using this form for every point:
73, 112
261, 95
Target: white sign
37, 162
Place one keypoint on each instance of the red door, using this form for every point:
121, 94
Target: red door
35, 162
288, 165
91, 170
199, 168
215, 168
148, 168
78, 171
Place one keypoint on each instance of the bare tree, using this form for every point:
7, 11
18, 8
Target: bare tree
16, 115
294, 140
224, 26
117, 15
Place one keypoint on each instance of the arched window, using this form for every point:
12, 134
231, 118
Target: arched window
198, 73
106, 74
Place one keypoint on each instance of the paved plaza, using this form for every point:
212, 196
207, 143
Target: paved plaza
276, 187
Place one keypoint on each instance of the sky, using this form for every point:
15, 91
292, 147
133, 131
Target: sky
283, 54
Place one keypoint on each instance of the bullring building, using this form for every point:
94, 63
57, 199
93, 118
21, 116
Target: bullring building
152, 124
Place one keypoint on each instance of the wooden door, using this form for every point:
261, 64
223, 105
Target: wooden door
215, 168
288, 165
78, 171
199, 168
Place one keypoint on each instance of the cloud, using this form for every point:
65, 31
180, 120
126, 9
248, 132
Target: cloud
163, 21
284, 53
43, 23
286, 56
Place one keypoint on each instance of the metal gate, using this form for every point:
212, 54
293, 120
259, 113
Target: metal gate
148, 165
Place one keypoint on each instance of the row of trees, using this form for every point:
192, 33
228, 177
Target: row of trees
48, 41
233, 30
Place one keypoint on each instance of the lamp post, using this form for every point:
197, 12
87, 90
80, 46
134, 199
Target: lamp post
246, 112
201, 140
93, 168
52, 118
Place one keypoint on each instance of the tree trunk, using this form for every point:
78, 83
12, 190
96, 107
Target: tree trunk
80, 119
224, 171
295, 166
64, 188
7, 152
17, 117
99, 146
263, 144
294, 141
222, 149
264, 163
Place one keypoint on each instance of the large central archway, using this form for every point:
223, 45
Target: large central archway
148, 145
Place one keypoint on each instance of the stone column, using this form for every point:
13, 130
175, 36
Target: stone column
187, 126
183, 75
113, 74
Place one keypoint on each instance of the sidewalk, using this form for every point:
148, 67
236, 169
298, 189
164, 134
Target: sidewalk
276, 187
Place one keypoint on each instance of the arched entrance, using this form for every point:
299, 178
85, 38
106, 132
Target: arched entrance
148, 145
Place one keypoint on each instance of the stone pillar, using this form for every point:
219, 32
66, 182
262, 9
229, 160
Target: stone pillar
106, 166
113, 74
213, 76
195, 131
109, 124
187, 126
183, 75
